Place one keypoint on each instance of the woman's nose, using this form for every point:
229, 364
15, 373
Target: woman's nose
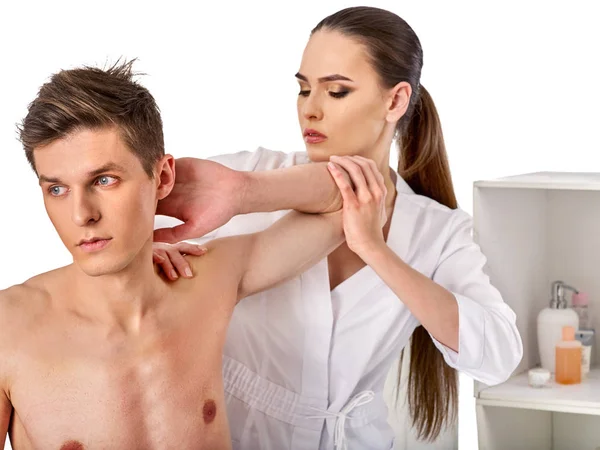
312, 109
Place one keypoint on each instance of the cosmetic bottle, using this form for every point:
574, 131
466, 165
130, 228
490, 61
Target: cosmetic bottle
550, 322
580, 304
568, 358
586, 337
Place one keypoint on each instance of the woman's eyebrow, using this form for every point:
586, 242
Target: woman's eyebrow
335, 77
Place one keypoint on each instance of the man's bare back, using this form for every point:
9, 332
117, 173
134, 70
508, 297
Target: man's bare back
76, 383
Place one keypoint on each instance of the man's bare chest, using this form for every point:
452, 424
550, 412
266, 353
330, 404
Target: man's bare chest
149, 392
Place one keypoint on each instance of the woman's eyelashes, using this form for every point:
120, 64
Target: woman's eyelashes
334, 94
340, 94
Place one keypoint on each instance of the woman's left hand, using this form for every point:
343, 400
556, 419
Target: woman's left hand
170, 258
364, 206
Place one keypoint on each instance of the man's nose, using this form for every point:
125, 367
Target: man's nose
84, 209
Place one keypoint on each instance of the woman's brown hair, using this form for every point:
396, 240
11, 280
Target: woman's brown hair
396, 55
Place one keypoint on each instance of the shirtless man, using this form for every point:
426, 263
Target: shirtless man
105, 353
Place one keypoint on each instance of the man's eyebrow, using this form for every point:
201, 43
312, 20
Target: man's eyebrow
334, 77
108, 167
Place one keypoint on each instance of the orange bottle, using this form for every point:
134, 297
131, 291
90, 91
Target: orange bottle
568, 358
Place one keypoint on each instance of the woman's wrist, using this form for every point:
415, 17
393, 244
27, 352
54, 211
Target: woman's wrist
374, 253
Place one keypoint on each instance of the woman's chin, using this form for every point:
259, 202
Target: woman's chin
318, 154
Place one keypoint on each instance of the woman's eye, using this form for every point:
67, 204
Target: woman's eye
57, 191
106, 180
339, 94
304, 93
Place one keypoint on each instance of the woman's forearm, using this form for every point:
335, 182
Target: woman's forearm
435, 307
308, 188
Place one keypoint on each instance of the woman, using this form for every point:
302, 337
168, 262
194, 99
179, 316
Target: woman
305, 363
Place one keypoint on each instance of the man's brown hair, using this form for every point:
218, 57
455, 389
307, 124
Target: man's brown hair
93, 98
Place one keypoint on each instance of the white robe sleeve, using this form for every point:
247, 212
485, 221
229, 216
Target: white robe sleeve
489, 344
260, 159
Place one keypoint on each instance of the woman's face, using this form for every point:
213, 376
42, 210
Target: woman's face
342, 109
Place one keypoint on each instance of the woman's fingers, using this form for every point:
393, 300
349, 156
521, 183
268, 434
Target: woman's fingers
378, 175
170, 258
370, 171
190, 249
356, 175
343, 184
161, 258
179, 263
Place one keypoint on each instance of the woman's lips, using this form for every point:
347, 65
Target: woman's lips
313, 136
309, 139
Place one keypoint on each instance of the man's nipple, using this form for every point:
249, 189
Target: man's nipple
209, 411
72, 445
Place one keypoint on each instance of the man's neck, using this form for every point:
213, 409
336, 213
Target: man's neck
121, 300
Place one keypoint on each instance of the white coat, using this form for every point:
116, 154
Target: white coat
303, 364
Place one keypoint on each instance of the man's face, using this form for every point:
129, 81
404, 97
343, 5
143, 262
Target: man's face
98, 197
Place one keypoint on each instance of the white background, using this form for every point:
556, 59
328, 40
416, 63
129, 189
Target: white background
516, 85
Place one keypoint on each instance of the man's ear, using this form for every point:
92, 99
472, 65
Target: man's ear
398, 101
165, 176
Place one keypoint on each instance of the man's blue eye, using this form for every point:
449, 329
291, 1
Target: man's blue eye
56, 190
106, 180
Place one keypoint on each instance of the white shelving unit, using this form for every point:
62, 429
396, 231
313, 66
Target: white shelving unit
534, 229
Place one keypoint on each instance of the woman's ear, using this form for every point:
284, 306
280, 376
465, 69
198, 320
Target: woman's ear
398, 101
165, 176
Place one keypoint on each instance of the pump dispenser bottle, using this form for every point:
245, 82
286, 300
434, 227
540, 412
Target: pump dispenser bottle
550, 322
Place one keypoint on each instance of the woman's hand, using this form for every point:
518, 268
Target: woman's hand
206, 195
169, 257
364, 196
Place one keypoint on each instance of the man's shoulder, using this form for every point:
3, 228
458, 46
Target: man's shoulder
15, 301
223, 254
25, 299
220, 268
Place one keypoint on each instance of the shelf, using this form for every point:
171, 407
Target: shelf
581, 398
589, 181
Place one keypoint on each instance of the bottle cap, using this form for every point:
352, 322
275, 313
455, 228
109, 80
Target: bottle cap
568, 333
580, 299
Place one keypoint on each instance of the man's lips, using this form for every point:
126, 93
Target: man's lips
93, 244
92, 240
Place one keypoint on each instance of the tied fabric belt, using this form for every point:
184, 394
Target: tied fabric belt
298, 410
339, 435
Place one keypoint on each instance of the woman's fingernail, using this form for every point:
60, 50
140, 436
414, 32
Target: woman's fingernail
202, 249
188, 272
173, 274
331, 165
160, 257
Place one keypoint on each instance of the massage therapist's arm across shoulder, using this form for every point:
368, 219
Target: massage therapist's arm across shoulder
206, 195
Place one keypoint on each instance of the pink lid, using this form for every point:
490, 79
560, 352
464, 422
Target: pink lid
580, 299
